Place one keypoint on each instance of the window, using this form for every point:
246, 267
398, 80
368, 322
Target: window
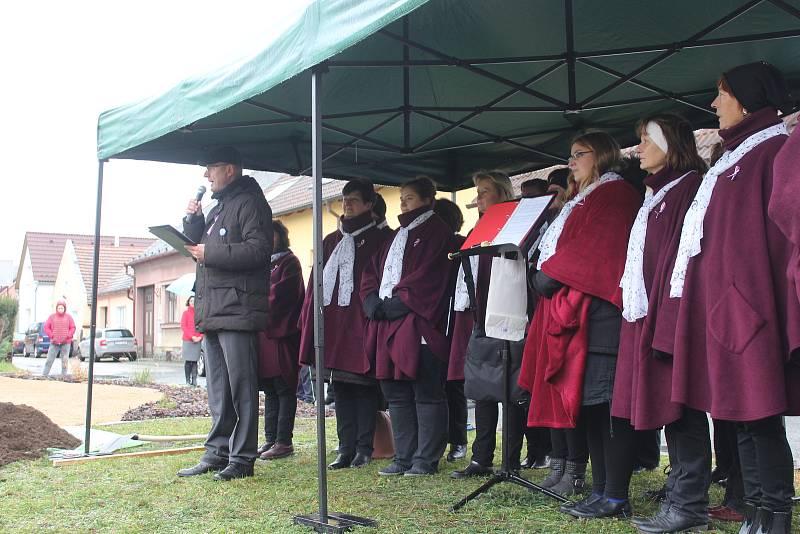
118, 334
172, 307
119, 315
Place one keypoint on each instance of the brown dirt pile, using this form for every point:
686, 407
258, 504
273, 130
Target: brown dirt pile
26, 433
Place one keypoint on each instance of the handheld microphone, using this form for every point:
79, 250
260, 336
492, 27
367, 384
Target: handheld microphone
198, 197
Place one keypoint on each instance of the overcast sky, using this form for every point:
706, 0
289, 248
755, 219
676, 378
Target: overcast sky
64, 62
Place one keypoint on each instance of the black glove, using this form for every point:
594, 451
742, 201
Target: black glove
394, 308
544, 285
661, 356
373, 307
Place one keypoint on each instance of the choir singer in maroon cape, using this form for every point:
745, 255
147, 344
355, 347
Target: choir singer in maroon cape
346, 253
642, 386
405, 293
279, 346
739, 318
570, 353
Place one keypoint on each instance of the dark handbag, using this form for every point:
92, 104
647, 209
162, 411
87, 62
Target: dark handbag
483, 369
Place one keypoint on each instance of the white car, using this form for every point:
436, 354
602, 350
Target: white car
111, 343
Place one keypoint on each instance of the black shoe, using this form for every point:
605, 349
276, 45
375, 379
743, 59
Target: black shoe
199, 469
601, 508
542, 463
671, 520
474, 469
360, 460
265, 447
393, 469
457, 452
341, 461
569, 505
416, 471
234, 470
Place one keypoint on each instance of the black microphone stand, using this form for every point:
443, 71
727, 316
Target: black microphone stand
505, 474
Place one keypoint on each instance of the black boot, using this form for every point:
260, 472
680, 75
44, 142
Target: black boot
749, 523
781, 523
573, 481
557, 466
671, 520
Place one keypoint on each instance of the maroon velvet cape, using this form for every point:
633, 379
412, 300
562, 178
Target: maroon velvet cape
784, 202
279, 342
643, 384
424, 288
589, 260
344, 326
462, 323
739, 318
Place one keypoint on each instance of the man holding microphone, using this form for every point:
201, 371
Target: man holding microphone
231, 305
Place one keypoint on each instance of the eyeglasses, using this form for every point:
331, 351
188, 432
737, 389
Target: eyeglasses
579, 154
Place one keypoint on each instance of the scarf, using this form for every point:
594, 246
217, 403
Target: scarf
278, 255
461, 299
634, 292
692, 231
549, 240
340, 263
393, 267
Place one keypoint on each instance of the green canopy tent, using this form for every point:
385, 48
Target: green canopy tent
391, 89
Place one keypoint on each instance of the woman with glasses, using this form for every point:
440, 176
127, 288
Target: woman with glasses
570, 352
738, 323
642, 386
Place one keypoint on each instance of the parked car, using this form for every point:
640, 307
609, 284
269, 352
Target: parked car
113, 343
18, 343
36, 341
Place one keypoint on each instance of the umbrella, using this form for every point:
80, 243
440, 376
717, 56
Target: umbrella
183, 285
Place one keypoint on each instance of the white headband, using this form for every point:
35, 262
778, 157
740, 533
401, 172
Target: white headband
656, 135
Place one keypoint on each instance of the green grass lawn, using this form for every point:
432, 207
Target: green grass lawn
7, 367
144, 495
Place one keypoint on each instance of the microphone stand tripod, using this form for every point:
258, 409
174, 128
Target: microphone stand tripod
505, 474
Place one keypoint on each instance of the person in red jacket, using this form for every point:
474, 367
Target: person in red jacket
191, 343
59, 328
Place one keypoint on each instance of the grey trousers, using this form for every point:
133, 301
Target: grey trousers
53, 353
232, 381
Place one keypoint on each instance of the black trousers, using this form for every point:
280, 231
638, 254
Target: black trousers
612, 449
689, 446
648, 448
280, 407
418, 409
356, 408
232, 382
538, 440
726, 450
190, 370
570, 443
766, 462
486, 416
457, 412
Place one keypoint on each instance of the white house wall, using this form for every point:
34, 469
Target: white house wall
34, 297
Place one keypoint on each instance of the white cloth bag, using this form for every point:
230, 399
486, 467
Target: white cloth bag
507, 304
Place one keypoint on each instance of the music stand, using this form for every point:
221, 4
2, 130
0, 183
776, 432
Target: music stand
523, 243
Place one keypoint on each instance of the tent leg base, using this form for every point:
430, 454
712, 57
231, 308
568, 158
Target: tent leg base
335, 524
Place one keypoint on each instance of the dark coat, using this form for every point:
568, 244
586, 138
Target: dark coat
279, 342
231, 290
739, 318
643, 383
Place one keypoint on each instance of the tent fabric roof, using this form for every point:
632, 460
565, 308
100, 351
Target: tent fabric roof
447, 87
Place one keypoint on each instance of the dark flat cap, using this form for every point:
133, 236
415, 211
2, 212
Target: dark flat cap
224, 154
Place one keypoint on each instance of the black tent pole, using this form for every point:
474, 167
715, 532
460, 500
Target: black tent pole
93, 323
319, 327
322, 521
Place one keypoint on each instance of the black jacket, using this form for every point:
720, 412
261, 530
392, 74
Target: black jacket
232, 287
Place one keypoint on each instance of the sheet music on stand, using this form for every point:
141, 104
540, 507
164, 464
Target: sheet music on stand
173, 237
513, 223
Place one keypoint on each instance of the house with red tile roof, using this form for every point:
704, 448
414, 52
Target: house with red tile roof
39, 264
